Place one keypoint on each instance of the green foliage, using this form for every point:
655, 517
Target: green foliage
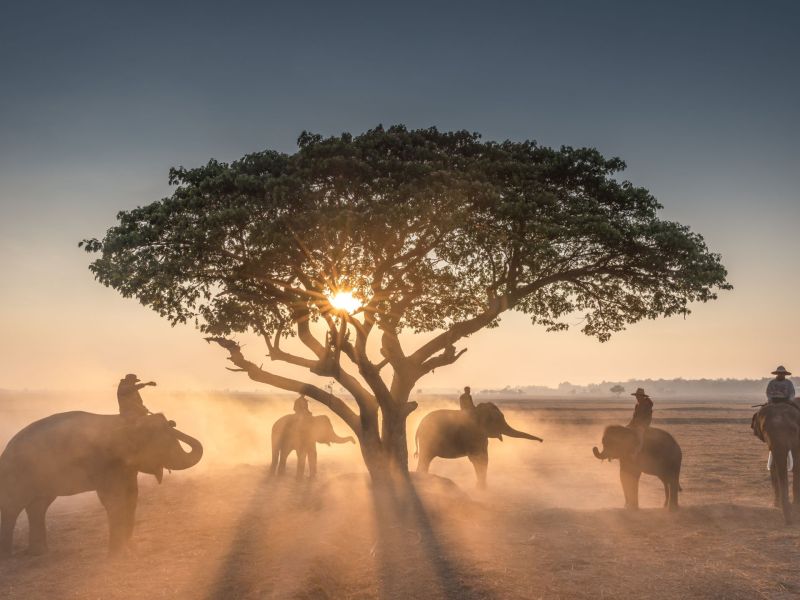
431, 228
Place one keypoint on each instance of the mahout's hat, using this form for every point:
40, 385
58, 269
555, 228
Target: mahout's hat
781, 370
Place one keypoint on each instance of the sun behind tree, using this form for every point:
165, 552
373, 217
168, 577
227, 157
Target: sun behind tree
438, 232
344, 301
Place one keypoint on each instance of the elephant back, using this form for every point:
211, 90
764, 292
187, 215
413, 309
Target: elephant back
72, 425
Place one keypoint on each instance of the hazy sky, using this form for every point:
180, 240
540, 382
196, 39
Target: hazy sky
98, 101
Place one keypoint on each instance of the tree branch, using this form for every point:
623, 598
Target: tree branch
275, 353
447, 357
258, 374
365, 400
497, 306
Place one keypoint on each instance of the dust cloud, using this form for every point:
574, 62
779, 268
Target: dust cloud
549, 524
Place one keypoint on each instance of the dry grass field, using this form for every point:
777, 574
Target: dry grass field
549, 526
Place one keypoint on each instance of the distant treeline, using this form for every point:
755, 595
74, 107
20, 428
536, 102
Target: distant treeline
660, 387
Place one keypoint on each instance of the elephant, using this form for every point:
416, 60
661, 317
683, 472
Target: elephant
73, 452
779, 426
301, 433
659, 455
457, 433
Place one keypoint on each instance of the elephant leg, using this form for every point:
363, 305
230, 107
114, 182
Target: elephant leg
131, 499
795, 477
312, 461
282, 456
119, 497
781, 474
674, 488
37, 531
630, 487
776, 489
666, 492
424, 462
8, 520
481, 464
273, 468
301, 463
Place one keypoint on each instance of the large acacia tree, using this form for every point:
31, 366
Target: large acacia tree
431, 231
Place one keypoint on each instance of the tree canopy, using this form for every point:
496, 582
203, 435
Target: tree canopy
431, 231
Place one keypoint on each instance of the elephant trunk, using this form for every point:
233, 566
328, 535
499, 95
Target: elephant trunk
511, 432
598, 454
181, 459
337, 439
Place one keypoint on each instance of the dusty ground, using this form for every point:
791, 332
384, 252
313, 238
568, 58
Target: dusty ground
548, 527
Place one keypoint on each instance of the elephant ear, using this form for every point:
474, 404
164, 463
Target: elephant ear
490, 419
323, 429
630, 440
132, 440
128, 438
755, 425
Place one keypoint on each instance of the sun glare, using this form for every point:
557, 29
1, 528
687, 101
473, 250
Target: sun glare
345, 301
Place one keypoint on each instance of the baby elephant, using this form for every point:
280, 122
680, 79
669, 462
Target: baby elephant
659, 455
301, 433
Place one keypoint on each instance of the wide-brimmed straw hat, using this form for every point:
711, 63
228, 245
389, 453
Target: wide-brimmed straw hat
131, 377
781, 370
640, 392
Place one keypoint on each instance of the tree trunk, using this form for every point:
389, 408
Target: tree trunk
385, 452
372, 449
395, 444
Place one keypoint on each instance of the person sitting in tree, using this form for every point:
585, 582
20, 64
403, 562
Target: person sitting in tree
128, 396
642, 416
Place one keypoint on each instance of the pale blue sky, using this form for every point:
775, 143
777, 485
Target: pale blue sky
98, 101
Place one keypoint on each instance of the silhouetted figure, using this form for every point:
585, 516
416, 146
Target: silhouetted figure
456, 433
300, 433
73, 452
659, 455
780, 389
465, 400
642, 415
301, 406
129, 398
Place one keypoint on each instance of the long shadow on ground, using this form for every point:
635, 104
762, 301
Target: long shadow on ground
409, 548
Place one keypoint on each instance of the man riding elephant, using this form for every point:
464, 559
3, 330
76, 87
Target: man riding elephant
642, 416
465, 432
74, 452
300, 432
779, 390
128, 396
641, 448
